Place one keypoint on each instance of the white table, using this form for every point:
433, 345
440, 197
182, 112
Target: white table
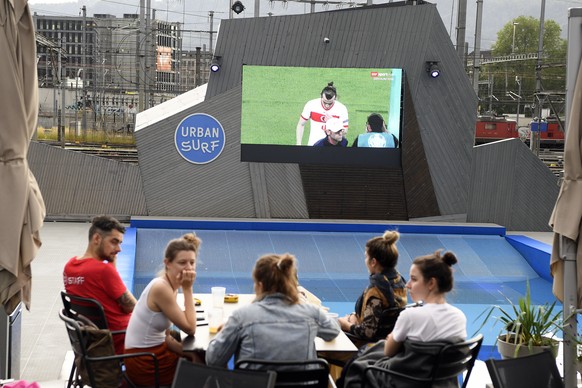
203, 337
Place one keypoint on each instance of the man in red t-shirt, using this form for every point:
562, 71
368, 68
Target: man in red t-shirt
94, 275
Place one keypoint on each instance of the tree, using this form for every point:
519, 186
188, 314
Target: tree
521, 36
527, 30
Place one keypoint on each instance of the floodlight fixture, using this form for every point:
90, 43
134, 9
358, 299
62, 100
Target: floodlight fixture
432, 69
215, 64
237, 7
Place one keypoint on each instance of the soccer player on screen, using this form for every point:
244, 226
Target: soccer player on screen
318, 111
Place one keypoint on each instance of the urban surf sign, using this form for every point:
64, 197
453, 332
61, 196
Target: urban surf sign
199, 138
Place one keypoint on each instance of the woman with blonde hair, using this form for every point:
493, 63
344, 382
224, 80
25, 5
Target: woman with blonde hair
157, 309
276, 326
378, 307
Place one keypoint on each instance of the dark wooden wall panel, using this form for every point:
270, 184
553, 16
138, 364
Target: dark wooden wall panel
339, 192
76, 185
440, 114
418, 185
511, 187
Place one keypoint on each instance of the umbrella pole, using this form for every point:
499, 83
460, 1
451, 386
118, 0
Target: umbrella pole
568, 254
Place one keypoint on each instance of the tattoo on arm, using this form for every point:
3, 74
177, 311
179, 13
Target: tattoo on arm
127, 301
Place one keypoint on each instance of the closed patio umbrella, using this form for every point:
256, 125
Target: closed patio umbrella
567, 215
566, 219
22, 208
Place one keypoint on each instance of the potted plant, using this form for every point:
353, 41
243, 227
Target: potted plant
578, 342
527, 328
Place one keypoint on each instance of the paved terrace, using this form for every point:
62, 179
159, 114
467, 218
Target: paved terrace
330, 264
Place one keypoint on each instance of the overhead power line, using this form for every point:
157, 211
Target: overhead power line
324, 2
205, 15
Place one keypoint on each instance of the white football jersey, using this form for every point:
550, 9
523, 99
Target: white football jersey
317, 114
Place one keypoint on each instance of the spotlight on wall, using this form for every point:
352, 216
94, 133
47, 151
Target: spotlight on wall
215, 64
432, 69
237, 7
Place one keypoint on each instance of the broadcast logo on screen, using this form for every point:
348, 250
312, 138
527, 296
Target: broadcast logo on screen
377, 76
199, 138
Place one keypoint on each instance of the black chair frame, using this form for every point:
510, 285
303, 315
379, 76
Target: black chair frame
533, 371
79, 344
91, 309
452, 360
191, 375
292, 373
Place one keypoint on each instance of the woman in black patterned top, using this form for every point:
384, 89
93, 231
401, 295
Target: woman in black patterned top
378, 307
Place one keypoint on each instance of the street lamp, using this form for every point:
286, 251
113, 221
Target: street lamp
518, 81
513, 41
77, 102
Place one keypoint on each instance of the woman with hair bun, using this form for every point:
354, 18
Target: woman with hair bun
431, 277
276, 326
157, 309
371, 321
420, 332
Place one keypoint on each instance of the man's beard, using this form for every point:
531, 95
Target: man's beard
101, 254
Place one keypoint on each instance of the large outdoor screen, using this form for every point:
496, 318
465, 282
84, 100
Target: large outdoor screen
341, 116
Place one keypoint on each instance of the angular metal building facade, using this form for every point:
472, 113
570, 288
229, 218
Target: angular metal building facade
438, 128
441, 174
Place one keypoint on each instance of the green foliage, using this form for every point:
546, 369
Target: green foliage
525, 323
527, 31
503, 75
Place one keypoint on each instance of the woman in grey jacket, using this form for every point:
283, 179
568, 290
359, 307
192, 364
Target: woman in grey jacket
276, 326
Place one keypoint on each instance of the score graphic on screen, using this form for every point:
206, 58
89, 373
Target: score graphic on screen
285, 111
199, 138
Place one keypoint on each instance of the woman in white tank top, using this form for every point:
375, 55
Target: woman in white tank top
157, 309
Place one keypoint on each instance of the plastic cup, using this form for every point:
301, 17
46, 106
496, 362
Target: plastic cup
218, 296
214, 320
333, 315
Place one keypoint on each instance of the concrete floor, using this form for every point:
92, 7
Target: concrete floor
45, 344
45, 349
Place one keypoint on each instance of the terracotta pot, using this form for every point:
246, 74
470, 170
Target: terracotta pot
508, 349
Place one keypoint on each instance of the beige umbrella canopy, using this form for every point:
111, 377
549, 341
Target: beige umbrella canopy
567, 215
21, 205
566, 219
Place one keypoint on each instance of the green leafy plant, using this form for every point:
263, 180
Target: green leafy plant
578, 342
525, 323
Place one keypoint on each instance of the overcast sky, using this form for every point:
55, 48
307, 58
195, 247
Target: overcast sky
194, 13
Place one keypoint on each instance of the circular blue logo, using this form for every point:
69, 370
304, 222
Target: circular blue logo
199, 138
